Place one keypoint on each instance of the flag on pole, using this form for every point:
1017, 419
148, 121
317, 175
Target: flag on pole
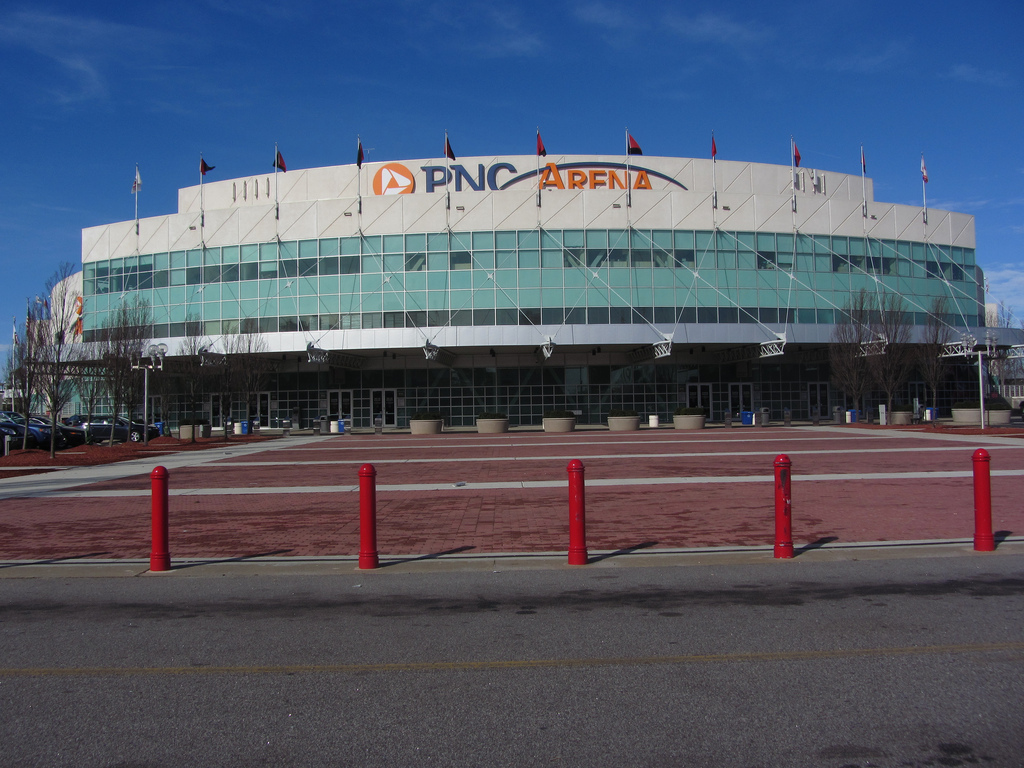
714, 148
14, 320
279, 161
924, 171
541, 151
632, 148
863, 162
137, 184
359, 153
796, 155
204, 166
448, 148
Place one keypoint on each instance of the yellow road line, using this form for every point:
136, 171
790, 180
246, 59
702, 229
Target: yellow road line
456, 666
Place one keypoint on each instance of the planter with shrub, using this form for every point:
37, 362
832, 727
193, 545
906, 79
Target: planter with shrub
902, 415
559, 421
688, 418
623, 420
426, 423
491, 423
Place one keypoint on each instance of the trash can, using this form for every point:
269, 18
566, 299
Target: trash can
160, 427
238, 428
787, 417
341, 426
764, 417
747, 418
245, 427
837, 415
929, 414
323, 426
851, 416
653, 420
286, 426
334, 427
378, 425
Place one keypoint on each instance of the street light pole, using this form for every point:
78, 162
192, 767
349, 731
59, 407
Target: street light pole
156, 353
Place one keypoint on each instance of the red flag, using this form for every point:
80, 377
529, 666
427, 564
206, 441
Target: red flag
796, 155
279, 162
448, 148
632, 148
359, 154
541, 151
203, 167
863, 162
714, 149
924, 171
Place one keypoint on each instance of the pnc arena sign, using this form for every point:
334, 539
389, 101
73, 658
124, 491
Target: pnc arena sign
398, 179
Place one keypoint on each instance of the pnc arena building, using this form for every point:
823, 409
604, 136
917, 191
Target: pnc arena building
522, 284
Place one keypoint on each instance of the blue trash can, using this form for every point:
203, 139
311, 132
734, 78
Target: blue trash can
341, 426
747, 418
245, 427
160, 427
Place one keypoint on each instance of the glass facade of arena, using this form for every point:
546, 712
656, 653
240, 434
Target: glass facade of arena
532, 277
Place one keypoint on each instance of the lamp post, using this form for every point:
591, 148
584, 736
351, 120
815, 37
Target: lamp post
156, 354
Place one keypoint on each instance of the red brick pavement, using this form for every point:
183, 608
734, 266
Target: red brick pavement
524, 520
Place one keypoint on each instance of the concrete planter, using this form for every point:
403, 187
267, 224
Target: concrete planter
997, 417
973, 416
623, 423
185, 431
688, 422
901, 418
426, 426
491, 426
560, 425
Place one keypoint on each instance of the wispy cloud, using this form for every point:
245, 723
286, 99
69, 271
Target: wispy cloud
609, 17
719, 30
968, 73
80, 47
479, 29
1006, 285
869, 63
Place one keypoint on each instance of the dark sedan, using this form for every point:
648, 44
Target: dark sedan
124, 431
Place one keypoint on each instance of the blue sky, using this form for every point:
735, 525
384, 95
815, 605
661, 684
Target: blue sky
90, 89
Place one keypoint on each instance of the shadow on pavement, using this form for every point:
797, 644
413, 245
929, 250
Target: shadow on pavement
624, 551
240, 559
431, 556
815, 544
55, 560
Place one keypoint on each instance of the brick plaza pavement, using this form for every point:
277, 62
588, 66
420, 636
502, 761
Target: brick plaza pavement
653, 489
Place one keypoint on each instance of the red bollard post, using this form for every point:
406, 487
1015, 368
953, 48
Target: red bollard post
983, 539
783, 507
159, 556
577, 515
368, 517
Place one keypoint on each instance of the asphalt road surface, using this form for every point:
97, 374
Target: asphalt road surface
897, 662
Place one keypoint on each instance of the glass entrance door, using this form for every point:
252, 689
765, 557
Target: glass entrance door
339, 404
741, 398
382, 403
817, 395
262, 414
699, 396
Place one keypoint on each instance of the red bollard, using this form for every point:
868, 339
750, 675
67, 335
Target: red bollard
783, 507
983, 539
368, 517
577, 515
159, 556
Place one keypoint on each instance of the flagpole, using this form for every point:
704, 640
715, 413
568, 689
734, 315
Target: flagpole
863, 186
202, 208
538, 173
277, 204
714, 181
135, 188
924, 190
447, 183
792, 168
629, 196
359, 174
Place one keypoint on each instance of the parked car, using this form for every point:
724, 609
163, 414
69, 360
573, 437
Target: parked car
67, 437
13, 424
124, 430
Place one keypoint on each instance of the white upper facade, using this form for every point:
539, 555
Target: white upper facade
579, 192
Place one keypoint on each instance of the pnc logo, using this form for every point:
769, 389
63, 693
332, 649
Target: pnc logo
393, 179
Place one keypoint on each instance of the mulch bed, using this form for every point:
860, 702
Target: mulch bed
91, 455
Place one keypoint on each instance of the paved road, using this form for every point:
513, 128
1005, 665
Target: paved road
891, 662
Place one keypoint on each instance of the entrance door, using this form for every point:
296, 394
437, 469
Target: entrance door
817, 395
382, 402
262, 412
699, 396
339, 404
213, 408
741, 398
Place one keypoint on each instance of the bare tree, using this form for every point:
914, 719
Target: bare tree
933, 367
188, 363
249, 365
847, 363
123, 338
90, 383
23, 363
891, 369
58, 349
